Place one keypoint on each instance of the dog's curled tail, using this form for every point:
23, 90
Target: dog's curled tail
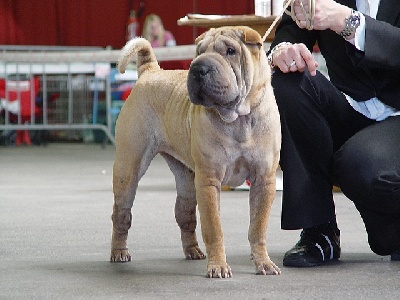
146, 59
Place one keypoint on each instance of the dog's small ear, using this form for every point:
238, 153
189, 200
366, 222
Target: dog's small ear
201, 36
250, 36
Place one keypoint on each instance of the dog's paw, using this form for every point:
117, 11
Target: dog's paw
218, 270
194, 252
120, 255
267, 267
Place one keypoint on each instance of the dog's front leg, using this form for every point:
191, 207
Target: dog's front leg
208, 195
262, 195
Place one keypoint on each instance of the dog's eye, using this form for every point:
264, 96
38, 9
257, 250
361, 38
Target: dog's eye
230, 51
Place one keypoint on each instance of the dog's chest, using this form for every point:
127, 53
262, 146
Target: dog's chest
244, 129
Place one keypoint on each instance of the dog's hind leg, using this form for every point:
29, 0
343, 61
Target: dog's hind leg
129, 167
185, 207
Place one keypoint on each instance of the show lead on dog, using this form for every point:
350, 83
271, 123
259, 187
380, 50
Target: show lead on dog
342, 131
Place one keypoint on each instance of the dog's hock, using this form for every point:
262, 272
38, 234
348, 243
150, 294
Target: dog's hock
185, 216
122, 220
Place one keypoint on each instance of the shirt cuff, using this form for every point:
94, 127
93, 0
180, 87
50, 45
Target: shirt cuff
359, 39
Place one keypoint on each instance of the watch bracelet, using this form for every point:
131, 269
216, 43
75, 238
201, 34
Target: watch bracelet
350, 27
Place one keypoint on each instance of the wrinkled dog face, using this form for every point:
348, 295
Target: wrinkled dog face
221, 75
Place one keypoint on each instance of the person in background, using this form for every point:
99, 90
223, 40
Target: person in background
342, 131
154, 32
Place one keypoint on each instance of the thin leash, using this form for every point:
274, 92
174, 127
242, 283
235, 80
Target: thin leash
308, 14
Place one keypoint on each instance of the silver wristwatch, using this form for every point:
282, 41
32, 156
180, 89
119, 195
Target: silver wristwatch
351, 24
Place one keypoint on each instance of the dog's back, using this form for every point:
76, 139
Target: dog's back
156, 100
169, 81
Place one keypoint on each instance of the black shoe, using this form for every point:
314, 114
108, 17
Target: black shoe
395, 256
317, 245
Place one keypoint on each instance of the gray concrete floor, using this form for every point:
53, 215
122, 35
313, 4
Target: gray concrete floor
55, 228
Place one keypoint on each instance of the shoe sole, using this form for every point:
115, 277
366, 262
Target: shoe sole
302, 263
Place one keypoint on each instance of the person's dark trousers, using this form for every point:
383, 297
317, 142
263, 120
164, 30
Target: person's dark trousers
325, 142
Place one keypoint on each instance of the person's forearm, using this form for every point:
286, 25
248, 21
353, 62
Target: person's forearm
339, 19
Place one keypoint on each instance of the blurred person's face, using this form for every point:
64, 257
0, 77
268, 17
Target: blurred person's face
155, 28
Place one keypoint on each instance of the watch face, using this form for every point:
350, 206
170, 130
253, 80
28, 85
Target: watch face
352, 22
355, 19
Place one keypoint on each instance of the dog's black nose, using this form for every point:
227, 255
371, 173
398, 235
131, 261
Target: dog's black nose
199, 71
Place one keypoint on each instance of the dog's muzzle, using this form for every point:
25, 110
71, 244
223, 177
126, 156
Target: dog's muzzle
200, 76
211, 82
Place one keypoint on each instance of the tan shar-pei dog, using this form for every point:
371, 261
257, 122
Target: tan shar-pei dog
216, 124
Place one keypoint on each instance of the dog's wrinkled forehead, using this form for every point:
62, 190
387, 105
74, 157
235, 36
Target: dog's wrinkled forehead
229, 36
211, 38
